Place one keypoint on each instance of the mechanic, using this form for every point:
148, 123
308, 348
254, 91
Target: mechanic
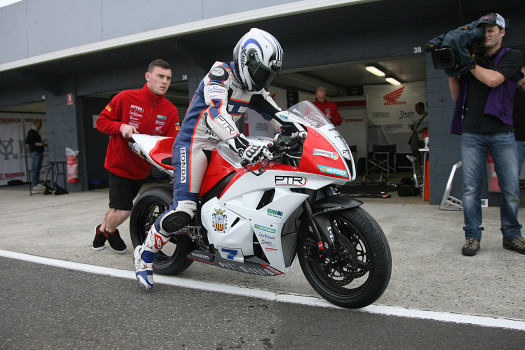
145, 111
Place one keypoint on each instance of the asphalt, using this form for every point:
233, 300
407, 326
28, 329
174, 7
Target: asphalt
429, 273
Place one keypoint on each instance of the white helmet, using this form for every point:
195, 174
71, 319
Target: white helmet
259, 58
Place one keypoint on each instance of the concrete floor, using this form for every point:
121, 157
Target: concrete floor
429, 272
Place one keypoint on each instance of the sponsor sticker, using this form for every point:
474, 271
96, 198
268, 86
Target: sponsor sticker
290, 181
108, 108
264, 228
135, 113
327, 154
219, 220
230, 129
218, 71
265, 235
275, 213
183, 165
137, 108
161, 117
332, 171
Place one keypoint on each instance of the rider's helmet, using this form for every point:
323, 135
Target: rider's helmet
259, 58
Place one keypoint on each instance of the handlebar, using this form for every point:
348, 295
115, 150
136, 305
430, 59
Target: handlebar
282, 146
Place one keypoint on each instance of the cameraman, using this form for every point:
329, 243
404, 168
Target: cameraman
483, 117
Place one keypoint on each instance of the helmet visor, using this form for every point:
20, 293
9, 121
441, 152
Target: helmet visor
261, 75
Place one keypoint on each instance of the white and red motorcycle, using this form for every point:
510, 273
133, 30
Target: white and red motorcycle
258, 219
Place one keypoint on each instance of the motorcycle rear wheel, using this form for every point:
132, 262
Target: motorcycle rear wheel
148, 206
359, 271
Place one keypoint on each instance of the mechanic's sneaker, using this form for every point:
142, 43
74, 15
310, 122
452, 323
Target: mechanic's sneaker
100, 239
471, 247
143, 269
115, 241
517, 244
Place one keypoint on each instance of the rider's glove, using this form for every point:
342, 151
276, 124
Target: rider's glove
254, 154
250, 152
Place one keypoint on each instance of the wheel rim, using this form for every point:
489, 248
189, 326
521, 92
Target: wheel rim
348, 271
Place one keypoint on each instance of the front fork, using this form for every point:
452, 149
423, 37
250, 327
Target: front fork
320, 212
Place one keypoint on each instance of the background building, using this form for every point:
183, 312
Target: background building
65, 60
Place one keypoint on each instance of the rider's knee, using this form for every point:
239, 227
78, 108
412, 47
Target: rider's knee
175, 220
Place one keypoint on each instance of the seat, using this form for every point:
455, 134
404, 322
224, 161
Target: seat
382, 160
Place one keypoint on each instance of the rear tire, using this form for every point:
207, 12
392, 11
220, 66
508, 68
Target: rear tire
147, 208
359, 271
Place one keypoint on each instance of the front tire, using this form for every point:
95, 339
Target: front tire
358, 271
147, 208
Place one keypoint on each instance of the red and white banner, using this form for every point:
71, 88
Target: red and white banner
13, 163
390, 110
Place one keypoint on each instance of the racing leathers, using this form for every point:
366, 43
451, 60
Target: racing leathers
219, 101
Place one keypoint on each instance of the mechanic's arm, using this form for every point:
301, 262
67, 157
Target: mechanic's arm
109, 121
489, 77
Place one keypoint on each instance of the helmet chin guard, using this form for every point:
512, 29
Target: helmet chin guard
259, 58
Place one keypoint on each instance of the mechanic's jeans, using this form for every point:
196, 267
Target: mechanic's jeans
521, 154
502, 146
36, 165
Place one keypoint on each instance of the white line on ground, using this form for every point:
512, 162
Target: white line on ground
495, 322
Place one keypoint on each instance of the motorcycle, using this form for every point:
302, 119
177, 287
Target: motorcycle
261, 218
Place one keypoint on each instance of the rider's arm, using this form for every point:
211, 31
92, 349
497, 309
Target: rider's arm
218, 119
264, 104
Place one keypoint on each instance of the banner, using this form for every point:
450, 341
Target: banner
15, 159
390, 110
12, 161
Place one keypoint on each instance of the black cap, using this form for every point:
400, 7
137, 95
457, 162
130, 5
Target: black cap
493, 19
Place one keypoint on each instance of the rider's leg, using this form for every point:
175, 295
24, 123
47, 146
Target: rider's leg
144, 255
179, 213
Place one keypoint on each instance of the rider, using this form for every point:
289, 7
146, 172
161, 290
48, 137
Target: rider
222, 97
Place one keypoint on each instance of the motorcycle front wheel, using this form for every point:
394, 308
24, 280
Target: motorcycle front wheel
147, 208
357, 270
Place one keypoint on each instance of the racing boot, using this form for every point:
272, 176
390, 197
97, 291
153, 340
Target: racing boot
144, 255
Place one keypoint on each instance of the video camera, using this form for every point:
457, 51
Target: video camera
456, 51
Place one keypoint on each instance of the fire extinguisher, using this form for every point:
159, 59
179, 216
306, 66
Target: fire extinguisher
72, 165
492, 178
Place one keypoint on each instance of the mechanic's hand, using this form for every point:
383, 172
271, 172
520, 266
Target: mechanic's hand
128, 130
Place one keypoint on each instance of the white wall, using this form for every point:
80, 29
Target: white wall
35, 27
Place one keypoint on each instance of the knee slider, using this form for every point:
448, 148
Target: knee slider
174, 221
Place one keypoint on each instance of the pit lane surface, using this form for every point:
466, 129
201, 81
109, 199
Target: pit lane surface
49, 307
429, 274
